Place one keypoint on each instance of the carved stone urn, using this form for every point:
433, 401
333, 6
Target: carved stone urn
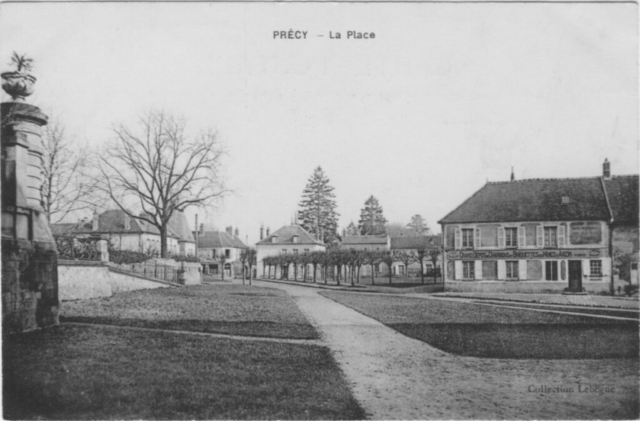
18, 84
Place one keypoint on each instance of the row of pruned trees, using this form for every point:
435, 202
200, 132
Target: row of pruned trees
343, 265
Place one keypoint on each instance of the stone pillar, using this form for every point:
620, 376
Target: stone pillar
29, 259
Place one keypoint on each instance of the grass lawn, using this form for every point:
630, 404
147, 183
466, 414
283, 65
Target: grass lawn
92, 372
494, 332
220, 308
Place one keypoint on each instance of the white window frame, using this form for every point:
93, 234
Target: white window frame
548, 228
598, 274
515, 269
469, 237
469, 270
514, 238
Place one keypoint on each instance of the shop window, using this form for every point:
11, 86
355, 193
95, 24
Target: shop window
468, 270
467, 238
512, 270
596, 267
550, 237
511, 237
551, 271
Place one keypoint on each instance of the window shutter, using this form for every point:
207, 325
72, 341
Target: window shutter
539, 236
502, 269
458, 239
458, 267
586, 268
476, 240
522, 270
501, 237
561, 235
478, 269
521, 237
606, 267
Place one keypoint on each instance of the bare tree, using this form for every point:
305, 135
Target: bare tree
162, 169
66, 188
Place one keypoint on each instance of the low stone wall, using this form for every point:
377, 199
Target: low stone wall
521, 286
81, 280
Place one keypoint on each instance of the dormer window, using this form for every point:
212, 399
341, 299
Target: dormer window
295, 239
274, 239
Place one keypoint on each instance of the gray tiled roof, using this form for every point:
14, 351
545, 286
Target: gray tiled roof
622, 192
415, 242
285, 236
218, 239
535, 200
112, 222
364, 239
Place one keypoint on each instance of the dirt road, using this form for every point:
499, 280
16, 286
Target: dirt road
396, 377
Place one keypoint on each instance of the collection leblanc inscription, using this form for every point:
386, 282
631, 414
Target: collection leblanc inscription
296, 34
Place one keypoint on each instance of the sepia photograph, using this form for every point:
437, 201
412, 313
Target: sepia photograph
365, 210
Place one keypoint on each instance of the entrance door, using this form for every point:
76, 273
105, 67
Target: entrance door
575, 276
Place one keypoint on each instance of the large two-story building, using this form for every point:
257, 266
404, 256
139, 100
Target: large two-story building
126, 233
572, 234
219, 252
290, 239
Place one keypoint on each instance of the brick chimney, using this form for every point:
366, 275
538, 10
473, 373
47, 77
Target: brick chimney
230, 230
267, 231
261, 232
606, 169
201, 232
95, 223
127, 222
237, 232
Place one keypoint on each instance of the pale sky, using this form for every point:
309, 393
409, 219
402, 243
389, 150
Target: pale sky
446, 97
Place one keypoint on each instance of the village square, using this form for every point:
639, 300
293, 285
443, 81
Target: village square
138, 284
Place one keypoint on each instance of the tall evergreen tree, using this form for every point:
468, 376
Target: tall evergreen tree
318, 207
418, 226
372, 221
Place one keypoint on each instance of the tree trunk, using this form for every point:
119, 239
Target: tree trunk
358, 274
390, 272
243, 273
315, 269
163, 241
373, 275
351, 276
422, 271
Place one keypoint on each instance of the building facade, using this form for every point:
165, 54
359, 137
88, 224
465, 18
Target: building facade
543, 235
290, 239
122, 231
413, 244
219, 252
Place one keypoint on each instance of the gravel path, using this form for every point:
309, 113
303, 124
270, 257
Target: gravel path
396, 377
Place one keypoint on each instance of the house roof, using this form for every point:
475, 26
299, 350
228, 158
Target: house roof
218, 239
62, 229
113, 221
364, 239
285, 235
535, 200
179, 225
622, 192
416, 242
